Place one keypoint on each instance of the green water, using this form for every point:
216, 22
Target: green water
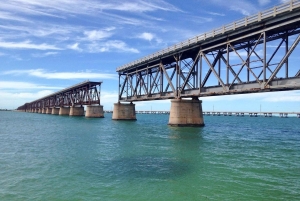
49, 157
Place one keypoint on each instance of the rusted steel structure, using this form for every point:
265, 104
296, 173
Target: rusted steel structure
254, 54
84, 93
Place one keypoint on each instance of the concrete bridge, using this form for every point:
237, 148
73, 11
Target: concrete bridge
70, 101
251, 55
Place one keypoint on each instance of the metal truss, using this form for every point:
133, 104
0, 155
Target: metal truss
85, 93
264, 57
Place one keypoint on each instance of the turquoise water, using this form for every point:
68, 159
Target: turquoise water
48, 157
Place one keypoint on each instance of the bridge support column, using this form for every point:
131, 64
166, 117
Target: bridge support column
48, 110
76, 111
64, 110
40, 110
55, 110
44, 110
124, 112
94, 111
186, 113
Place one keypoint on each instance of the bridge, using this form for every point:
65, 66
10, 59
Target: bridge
251, 55
70, 101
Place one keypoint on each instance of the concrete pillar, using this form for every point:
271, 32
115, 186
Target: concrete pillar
40, 110
64, 110
55, 110
49, 110
44, 110
76, 111
94, 111
124, 112
186, 113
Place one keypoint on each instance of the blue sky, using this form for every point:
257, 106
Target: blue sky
46, 46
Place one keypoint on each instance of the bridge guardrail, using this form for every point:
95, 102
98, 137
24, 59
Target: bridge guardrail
229, 27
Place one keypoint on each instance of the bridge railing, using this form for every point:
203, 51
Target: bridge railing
229, 27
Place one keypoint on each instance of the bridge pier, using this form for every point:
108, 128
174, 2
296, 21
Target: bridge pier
55, 111
49, 110
186, 113
94, 111
44, 110
76, 111
64, 111
124, 112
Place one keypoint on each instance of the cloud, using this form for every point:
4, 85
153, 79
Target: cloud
242, 6
59, 8
146, 36
45, 54
12, 100
110, 46
27, 45
23, 85
98, 34
75, 46
61, 75
216, 14
8, 16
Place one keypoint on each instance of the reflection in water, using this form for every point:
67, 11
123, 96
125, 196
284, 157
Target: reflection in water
185, 132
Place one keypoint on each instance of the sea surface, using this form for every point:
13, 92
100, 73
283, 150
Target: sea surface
49, 157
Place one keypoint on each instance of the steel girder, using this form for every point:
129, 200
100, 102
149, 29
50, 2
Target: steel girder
258, 61
87, 93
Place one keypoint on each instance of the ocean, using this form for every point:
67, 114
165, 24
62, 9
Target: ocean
49, 157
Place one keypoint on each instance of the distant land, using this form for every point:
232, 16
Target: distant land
4, 110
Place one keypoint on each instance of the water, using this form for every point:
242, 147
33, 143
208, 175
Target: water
48, 157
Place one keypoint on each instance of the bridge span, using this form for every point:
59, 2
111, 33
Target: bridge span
251, 55
70, 101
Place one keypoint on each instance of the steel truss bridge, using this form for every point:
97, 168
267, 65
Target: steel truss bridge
84, 93
259, 53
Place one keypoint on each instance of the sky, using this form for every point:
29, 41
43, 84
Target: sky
46, 46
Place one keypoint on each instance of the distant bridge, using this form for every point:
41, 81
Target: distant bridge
250, 55
69, 101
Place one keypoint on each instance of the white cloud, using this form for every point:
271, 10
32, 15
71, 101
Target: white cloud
11, 100
216, 14
146, 36
108, 98
23, 85
45, 54
8, 16
242, 6
61, 75
75, 46
112, 45
27, 45
98, 34
56, 8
